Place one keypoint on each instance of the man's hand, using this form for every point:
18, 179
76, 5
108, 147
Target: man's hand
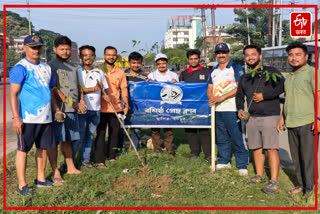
215, 99
106, 98
280, 125
17, 125
98, 86
149, 80
257, 97
58, 118
318, 125
241, 114
173, 81
126, 110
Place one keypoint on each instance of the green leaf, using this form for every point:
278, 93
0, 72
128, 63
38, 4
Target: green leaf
267, 76
69, 100
82, 86
274, 78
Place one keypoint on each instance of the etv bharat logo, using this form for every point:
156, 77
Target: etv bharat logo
171, 94
300, 24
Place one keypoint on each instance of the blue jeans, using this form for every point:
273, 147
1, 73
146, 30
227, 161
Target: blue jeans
88, 124
135, 134
228, 126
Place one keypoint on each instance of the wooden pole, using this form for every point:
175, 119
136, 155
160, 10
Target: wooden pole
213, 138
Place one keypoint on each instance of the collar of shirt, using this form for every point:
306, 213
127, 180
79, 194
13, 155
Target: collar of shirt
190, 70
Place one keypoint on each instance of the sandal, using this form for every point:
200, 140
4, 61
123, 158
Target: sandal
101, 166
57, 181
296, 190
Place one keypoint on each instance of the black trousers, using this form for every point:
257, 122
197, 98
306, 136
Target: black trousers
301, 142
192, 135
110, 120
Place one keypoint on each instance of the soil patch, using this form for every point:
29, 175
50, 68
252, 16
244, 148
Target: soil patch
158, 184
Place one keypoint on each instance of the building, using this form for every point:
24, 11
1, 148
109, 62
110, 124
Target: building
186, 29
183, 30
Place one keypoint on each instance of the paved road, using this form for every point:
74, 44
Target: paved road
11, 136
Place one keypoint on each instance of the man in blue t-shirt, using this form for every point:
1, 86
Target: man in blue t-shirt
30, 101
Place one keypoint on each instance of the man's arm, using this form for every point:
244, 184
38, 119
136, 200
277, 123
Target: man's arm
219, 99
17, 123
240, 100
124, 93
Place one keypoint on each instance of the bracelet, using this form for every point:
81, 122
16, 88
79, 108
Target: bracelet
15, 117
128, 107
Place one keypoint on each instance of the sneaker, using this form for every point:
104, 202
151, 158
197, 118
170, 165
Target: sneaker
46, 183
257, 179
223, 166
87, 165
273, 186
25, 191
243, 172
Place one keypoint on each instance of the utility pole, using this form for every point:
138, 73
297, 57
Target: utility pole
213, 19
247, 24
280, 24
29, 18
270, 25
273, 25
203, 14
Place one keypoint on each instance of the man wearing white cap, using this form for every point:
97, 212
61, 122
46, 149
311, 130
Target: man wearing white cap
163, 74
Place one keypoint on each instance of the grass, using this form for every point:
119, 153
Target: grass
169, 182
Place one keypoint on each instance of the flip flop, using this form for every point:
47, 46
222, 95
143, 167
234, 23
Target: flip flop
296, 190
57, 181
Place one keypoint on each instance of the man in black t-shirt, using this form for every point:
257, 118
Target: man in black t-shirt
261, 85
135, 74
196, 73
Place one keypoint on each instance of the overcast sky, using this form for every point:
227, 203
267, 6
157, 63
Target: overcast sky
117, 26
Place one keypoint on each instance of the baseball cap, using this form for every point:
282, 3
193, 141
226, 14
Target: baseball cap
33, 40
160, 56
221, 47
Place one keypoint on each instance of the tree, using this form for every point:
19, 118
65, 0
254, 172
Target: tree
184, 46
176, 56
48, 38
11, 58
258, 25
199, 43
13, 28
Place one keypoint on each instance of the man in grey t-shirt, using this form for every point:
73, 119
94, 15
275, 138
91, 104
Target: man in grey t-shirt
67, 94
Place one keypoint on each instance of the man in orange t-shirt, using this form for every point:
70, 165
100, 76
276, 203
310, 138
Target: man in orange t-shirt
117, 82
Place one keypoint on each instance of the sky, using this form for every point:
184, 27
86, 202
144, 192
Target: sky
117, 27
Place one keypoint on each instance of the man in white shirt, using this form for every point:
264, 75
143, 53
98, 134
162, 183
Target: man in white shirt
163, 74
91, 80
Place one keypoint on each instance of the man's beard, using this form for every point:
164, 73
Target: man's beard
254, 65
109, 62
62, 59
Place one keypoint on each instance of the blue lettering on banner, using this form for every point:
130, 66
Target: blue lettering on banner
168, 105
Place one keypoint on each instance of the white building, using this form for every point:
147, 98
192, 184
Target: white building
183, 30
186, 29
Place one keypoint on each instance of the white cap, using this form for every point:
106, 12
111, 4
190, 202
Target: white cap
160, 56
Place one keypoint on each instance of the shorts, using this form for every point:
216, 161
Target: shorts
69, 129
40, 134
262, 132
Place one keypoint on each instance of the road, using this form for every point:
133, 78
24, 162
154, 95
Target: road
285, 156
11, 137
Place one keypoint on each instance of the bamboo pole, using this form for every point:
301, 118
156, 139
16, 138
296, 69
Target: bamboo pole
213, 139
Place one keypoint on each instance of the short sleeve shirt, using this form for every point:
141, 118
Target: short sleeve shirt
299, 97
116, 80
66, 80
89, 79
34, 96
138, 78
167, 77
223, 82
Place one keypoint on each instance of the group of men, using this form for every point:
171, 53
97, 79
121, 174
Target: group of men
63, 103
